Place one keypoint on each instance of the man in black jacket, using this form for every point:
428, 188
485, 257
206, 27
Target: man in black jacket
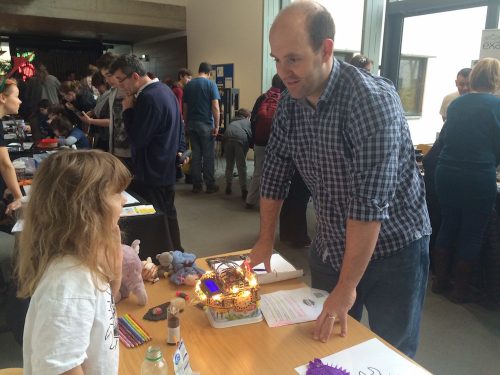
153, 122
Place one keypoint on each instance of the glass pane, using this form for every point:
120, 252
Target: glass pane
348, 18
451, 41
411, 84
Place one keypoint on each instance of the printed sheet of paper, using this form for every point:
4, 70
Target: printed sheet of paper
292, 306
370, 357
145, 209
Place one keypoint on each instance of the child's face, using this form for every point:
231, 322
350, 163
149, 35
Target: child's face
44, 111
116, 201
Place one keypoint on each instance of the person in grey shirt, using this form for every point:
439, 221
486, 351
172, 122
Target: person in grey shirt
237, 139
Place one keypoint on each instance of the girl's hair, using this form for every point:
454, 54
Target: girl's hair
68, 86
485, 75
62, 125
69, 214
5, 85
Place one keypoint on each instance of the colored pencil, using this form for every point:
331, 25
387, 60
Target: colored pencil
141, 328
131, 330
130, 336
124, 342
137, 327
130, 340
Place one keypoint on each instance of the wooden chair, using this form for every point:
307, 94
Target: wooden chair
423, 147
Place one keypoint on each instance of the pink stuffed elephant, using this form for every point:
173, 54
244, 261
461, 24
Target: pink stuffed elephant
132, 274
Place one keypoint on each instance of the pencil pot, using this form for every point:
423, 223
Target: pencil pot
153, 363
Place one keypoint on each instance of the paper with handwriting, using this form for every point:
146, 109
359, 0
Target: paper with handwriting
371, 357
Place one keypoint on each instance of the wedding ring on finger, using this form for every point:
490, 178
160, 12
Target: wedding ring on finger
330, 316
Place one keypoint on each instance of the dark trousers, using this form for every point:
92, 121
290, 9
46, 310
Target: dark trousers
162, 198
293, 219
466, 225
392, 290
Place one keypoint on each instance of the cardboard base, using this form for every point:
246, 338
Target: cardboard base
225, 323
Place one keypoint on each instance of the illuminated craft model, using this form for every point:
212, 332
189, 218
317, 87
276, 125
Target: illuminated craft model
231, 291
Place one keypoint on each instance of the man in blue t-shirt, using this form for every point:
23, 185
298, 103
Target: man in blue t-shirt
201, 116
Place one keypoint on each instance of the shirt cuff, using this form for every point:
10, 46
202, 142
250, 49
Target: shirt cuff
368, 209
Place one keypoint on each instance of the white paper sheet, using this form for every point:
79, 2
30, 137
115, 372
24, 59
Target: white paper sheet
370, 357
292, 306
130, 199
18, 226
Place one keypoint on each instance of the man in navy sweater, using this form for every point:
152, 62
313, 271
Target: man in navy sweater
152, 119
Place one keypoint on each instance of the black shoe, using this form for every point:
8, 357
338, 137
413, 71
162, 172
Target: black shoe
244, 194
249, 206
212, 189
197, 189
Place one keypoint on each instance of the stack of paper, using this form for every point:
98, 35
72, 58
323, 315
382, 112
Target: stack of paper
281, 270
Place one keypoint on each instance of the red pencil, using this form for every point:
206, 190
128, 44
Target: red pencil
131, 340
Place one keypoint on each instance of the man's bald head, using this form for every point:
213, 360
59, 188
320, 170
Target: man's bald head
316, 19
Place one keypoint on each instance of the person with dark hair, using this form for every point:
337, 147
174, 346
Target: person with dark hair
119, 142
40, 128
78, 99
69, 134
362, 62
42, 86
261, 120
183, 78
237, 139
345, 132
202, 117
152, 119
98, 118
462, 83
465, 180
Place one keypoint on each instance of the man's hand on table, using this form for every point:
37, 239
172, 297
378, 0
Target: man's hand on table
261, 252
336, 307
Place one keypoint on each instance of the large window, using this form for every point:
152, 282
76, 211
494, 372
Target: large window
411, 83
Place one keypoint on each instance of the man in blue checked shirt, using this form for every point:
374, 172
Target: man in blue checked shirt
346, 133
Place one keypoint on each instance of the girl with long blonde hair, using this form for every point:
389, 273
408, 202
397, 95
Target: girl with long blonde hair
69, 263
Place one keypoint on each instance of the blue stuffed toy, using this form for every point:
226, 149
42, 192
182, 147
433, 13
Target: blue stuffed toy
185, 272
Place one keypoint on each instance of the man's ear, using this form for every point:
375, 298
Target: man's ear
2, 98
327, 49
135, 76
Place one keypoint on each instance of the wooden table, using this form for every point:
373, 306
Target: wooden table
248, 349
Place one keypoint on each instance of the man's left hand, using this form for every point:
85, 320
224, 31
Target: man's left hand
128, 102
336, 307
